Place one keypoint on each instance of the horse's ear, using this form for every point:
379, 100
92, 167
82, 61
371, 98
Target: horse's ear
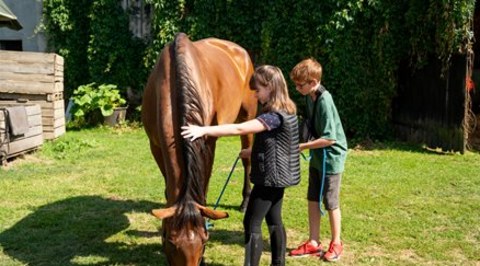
212, 214
164, 213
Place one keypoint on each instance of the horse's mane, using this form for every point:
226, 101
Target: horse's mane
194, 153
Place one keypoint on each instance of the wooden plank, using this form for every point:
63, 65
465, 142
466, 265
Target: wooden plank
53, 113
27, 68
31, 98
44, 78
50, 135
30, 87
55, 129
57, 132
35, 120
32, 63
33, 109
30, 57
59, 86
59, 74
53, 107
57, 104
53, 122
24, 145
59, 61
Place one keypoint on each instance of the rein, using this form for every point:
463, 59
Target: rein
307, 159
319, 92
209, 225
322, 213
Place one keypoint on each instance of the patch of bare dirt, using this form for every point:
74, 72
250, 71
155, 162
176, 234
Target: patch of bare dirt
22, 159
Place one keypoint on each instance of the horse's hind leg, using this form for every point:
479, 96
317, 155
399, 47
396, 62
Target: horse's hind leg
247, 141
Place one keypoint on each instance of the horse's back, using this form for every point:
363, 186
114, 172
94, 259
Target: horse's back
222, 53
226, 70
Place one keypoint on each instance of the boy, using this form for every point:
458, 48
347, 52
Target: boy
329, 144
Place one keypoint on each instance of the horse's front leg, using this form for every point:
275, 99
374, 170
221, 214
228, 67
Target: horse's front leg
246, 185
246, 143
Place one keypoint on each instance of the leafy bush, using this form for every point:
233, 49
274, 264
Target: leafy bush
359, 43
89, 101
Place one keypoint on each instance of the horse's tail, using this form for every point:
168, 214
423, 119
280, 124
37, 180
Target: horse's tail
191, 109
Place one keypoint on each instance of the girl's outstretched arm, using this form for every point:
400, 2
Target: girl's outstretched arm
193, 132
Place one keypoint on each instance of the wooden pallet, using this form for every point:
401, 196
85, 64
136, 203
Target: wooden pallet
35, 78
11, 146
53, 116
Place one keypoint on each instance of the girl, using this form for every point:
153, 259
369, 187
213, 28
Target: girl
275, 160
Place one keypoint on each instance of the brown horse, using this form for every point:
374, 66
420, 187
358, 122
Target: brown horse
202, 83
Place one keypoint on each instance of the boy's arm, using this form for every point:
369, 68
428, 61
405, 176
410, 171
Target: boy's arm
316, 144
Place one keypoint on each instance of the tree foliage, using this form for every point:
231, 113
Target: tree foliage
96, 43
360, 43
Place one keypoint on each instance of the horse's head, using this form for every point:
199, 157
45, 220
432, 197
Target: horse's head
184, 233
185, 246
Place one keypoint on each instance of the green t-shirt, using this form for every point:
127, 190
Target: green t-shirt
328, 126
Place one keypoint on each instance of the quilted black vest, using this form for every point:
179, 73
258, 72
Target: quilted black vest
276, 155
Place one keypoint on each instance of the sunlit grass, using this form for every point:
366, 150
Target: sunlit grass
85, 198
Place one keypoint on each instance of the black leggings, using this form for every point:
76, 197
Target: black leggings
266, 202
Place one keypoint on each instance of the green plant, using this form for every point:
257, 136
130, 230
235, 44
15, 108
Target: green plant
89, 99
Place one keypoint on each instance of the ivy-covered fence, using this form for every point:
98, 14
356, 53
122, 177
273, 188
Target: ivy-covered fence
360, 43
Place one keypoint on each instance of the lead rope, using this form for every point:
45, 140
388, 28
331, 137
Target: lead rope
209, 225
322, 213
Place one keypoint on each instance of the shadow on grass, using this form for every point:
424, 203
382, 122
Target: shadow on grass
368, 145
75, 232
63, 232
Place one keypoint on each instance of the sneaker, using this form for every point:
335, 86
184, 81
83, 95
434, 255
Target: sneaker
334, 252
306, 249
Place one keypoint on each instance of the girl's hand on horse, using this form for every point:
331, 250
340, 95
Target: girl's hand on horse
192, 132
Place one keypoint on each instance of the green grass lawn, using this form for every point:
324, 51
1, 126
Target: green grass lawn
85, 199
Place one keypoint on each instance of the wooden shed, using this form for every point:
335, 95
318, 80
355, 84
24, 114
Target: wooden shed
20, 129
35, 78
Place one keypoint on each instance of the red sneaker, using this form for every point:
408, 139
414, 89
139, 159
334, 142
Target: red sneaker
334, 252
306, 249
